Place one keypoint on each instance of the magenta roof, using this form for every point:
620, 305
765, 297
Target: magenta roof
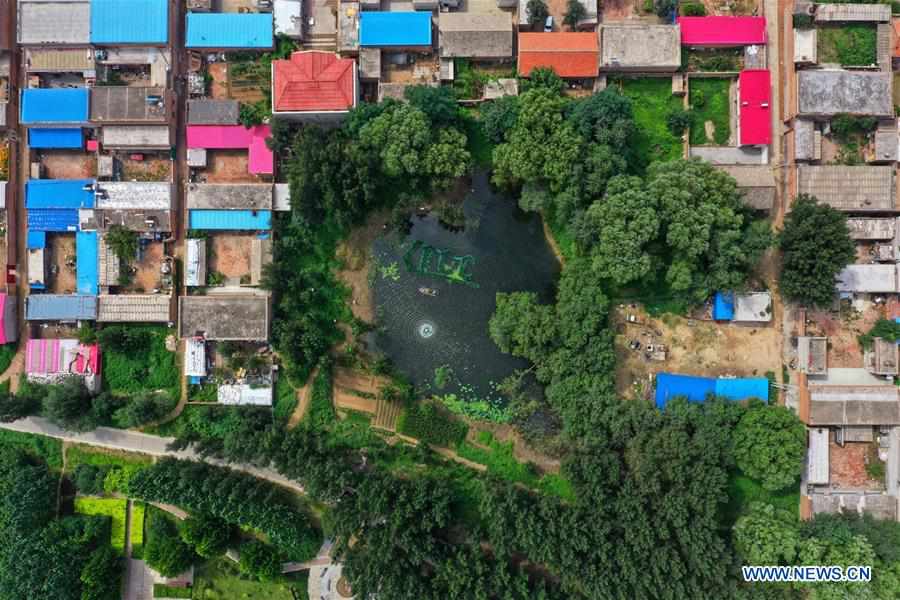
49, 357
756, 118
236, 137
722, 31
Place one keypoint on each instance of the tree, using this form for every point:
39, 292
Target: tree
207, 535
770, 445
522, 327
678, 121
68, 404
164, 550
575, 12
143, 408
437, 103
499, 117
767, 536
14, 407
447, 159
259, 560
664, 8
537, 12
101, 577
545, 78
123, 242
88, 479
399, 136
254, 113
816, 245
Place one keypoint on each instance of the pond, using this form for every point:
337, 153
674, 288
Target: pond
435, 291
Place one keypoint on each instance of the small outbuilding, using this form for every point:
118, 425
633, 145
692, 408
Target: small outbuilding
812, 355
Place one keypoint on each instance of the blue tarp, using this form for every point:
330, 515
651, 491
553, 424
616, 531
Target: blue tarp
36, 239
696, 389
53, 219
54, 105
381, 29
129, 22
55, 138
87, 277
231, 220
60, 307
723, 306
58, 193
229, 30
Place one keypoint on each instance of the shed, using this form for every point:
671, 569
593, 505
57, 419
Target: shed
640, 48
868, 279
136, 137
36, 239
195, 357
348, 27
9, 328
86, 262
849, 188
753, 307
59, 193
37, 267
195, 262
475, 35
755, 116
872, 229
281, 199
887, 144
230, 220
196, 157
221, 317
229, 30
826, 92
571, 54
236, 137
805, 46
722, 32
288, 18
242, 394
54, 22
128, 104
723, 306
755, 183
227, 196
55, 138
54, 105
115, 22
213, 112
260, 257
60, 307
817, 469
882, 358
812, 355
395, 29
848, 13
134, 308
807, 141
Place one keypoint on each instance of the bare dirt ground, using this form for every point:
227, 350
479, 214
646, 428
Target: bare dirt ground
847, 465
355, 253
152, 168
356, 391
228, 166
147, 277
219, 86
68, 164
703, 348
842, 331
62, 249
230, 254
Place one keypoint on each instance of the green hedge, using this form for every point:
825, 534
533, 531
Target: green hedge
161, 590
427, 424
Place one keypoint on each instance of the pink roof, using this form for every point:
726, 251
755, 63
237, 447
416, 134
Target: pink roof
722, 31
236, 137
755, 98
49, 357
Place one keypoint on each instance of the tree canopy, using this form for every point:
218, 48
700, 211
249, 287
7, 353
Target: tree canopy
770, 445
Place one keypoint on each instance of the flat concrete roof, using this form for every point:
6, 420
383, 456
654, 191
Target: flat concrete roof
223, 318
830, 92
852, 189
136, 136
126, 104
812, 355
753, 307
151, 195
872, 229
238, 196
868, 279
471, 35
878, 505
655, 47
54, 22
213, 112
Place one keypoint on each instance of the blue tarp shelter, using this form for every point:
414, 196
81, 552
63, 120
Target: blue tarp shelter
723, 306
231, 220
696, 389
58, 193
53, 219
54, 105
129, 22
60, 307
87, 277
36, 240
386, 29
55, 138
229, 30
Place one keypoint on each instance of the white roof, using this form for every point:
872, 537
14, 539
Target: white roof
871, 279
54, 22
288, 16
282, 198
805, 45
817, 457
243, 394
36, 273
194, 358
2, 194
753, 307
136, 136
195, 262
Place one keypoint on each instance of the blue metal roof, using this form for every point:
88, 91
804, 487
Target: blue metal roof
60, 307
54, 105
55, 138
231, 220
723, 306
87, 276
53, 219
229, 30
395, 29
129, 21
58, 193
696, 389
36, 239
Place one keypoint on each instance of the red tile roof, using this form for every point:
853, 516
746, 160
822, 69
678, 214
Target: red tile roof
570, 54
755, 99
722, 31
313, 81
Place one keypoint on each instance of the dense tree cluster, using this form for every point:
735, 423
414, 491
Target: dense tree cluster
165, 551
770, 445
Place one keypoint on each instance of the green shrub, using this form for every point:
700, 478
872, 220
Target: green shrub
259, 560
161, 590
88, 479
135, 359
693, 9
321, 407
885, 329
678, 121
425, 422
802, 21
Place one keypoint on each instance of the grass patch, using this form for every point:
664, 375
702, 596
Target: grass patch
850, 44
89, 455
501, 461
7, 353
652, 101
148, 368
709, 101
47, 448
743, 491
285, 399
136, 531
478, 144
219, 580
321, 407
114, 508
161, 590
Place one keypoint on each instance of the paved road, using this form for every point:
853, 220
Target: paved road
133, 441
